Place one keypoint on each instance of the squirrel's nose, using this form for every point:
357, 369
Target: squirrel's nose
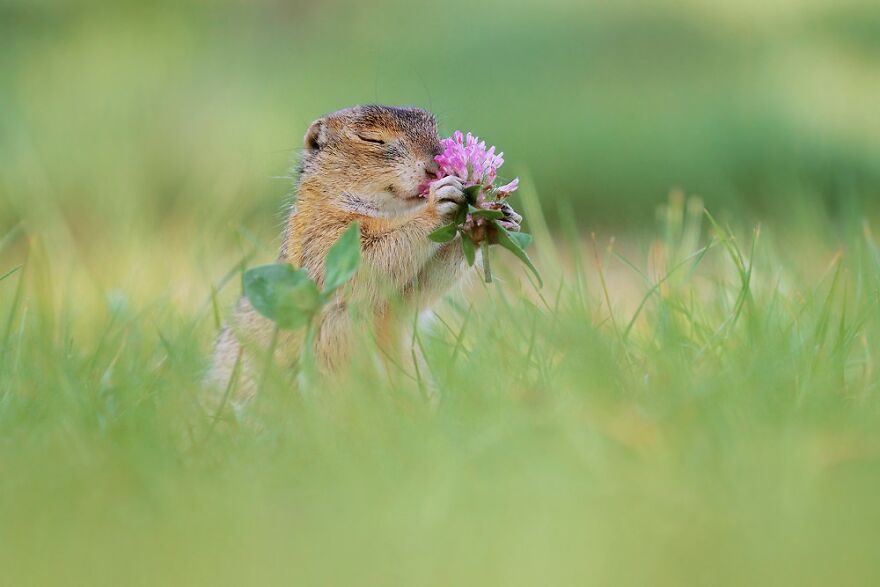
431, 167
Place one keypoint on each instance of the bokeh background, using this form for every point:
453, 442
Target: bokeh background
146, 151
127, 116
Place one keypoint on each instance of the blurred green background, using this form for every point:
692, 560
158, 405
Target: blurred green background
131, 116
732, 436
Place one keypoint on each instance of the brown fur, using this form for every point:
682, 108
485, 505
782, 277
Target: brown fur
347, 176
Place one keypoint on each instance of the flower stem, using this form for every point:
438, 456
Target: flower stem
484, 253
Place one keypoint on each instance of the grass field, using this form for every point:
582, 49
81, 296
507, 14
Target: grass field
692, 398
718, 426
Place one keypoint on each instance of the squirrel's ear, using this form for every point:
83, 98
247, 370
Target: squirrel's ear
316, 136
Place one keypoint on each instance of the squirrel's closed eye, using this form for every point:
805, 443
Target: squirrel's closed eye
371, 140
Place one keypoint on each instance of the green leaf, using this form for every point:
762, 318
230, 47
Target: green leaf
444, 234
343, 258
521, 238
469, 248
472, 192
506, 240
484, 213
285, 295
460, 215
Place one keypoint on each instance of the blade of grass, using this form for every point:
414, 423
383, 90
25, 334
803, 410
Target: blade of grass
11, 272
10, 236
601, 270
656, 287
13, 309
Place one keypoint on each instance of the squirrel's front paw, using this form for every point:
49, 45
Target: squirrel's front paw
447, 196
511, 220
488, 231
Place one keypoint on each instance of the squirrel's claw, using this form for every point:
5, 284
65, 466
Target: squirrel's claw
447, 195
512, 219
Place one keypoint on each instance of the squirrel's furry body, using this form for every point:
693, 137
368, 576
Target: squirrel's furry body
367, 164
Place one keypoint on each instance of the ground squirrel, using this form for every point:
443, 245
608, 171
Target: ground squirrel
368, 164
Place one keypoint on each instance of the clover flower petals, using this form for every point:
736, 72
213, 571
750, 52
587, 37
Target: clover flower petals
466, 157
508, 187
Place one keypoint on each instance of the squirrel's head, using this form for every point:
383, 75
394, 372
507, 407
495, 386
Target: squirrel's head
375, 158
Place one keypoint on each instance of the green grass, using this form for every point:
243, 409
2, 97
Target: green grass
719, 426
696, 403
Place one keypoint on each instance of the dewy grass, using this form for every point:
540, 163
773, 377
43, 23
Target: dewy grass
713, 418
